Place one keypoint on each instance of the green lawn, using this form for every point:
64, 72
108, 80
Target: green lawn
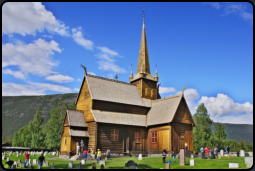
147, 162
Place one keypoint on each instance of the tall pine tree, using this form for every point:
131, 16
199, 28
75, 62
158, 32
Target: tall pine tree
36, 127
202, 131
220, 134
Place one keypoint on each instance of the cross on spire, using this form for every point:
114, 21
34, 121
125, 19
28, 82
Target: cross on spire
143, 17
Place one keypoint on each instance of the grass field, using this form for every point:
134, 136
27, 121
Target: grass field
147, 162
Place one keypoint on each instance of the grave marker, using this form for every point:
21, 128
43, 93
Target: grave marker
8, 159
233, 165
3, 157
19, 160
246, 159
221, 153
70, 165
102, 162
249, 163
34, 161
182, 157
192, 156
192, 162
250, 153
83, 161
140, 157
46, 163
167, 165
130, 163
242, 153
22, 165
52, 166
79, 166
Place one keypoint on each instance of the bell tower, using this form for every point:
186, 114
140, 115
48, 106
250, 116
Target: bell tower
145, 82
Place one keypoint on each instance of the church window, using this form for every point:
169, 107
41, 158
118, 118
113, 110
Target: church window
138, 138
114, 135
154, 137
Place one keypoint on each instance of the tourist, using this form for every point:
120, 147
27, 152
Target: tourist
206, 150
215, 151
10, 163
82, 145
94, 166
227, 149
164, 155
41, 160
85, 154
202, 150
209, 151
186, 147
174, 155
27, 158
98, 155
77, 148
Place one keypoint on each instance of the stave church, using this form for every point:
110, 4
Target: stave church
127, 117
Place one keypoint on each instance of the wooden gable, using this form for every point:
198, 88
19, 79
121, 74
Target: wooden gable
84, 101
183, 114
66, 121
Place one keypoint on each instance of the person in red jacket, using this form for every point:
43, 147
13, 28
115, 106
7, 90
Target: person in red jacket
206, 150
27, 158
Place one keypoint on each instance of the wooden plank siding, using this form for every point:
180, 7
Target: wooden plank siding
66, 122
138, 84
92, 130
117, 107
84, 102
65, 145
163, 139
150, 86
183, 115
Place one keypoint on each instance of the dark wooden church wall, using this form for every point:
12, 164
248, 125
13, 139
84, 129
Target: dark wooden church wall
183, 115
117, 107
150, 85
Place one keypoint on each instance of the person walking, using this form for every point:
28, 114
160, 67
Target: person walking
77, 148
202, 150
82, 145
164, 155
174, 155
215, 152
186, 147
206, 150
85, 154
27, 158
227, 149
41, 159
98, 155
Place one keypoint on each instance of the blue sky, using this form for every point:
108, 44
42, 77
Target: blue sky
208, 46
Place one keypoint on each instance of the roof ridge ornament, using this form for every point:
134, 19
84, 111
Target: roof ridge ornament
85, 69
183, 89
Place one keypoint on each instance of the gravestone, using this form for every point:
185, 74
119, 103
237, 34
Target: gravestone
15, 163
182, 157
130, 163
22, 165
46, 163
83, 161
102, 162
79, 166
201, 155
19, 160
242, 153
140, 157
34, 161
192, 162
108, 154
246, 159
192, 156
233, 165
29, 161
70, 165
249, 163
221, 153
8, 159
250, 153
10, 154
52, 166
167, 165
133, 167
3, 157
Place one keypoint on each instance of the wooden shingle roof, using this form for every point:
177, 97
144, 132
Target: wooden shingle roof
115, 91
119, 118
76, 118
78, 133
163, 110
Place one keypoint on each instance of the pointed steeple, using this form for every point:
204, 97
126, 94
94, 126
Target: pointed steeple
156, 74
131, 74
143, 67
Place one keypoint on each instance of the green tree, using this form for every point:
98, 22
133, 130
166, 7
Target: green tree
202, 131
249, 145
15, 141
220, 134
241, 145
4, 139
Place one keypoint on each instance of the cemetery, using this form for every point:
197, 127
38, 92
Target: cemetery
52, 161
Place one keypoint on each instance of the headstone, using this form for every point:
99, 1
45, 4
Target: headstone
192, 162
233, 165
133, 167
140, 157
192, 156
70, 165
83, 161
22, 165
46, 163
10, 154
201, 155
221, 153
34, 161
182, 157
249, 163
102, 162
52, 166
17, 154
15, 163
130, 163
3, 157
8, 159
250, 153
246, 159
79, 166
102, 166
19, 160
29, 161
167, 165
242, 153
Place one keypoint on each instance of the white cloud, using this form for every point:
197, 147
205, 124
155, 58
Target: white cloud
16, 74
28, 17
13, 89
214, 4
34, 58
164, 90
224, 105
108, 51
78, 79
47, 36
236, 119
104, 57
79, 39
110, 66
59, 78
91, 73
76, 89
111, 76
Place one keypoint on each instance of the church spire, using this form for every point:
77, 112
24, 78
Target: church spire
156, 74
131, 74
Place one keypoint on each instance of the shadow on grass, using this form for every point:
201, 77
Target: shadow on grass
139, 166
